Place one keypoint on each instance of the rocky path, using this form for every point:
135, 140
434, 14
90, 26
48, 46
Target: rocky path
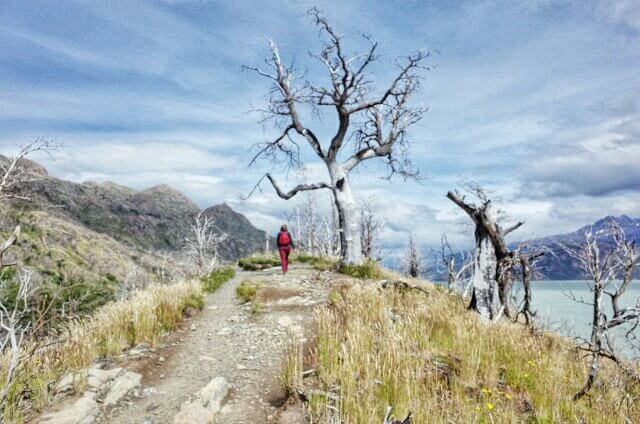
229, 340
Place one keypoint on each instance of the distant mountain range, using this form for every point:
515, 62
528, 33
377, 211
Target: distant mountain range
94, 229
559, 265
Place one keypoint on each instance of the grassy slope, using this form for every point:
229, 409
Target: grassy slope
146, 317
59, 248
426, 354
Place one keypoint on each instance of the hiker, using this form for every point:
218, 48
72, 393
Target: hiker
285, 245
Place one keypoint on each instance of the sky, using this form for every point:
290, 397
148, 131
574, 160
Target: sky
538, 101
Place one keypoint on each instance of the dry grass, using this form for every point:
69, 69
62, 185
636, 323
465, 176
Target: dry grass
144, 318
425, 354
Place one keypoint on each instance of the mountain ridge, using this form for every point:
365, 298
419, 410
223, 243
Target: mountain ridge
131, 228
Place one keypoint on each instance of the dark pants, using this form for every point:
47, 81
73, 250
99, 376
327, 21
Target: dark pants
284, 258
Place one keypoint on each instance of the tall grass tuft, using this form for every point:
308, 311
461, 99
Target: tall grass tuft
146, 317
369, 269
216, 278
426, 354
247, 291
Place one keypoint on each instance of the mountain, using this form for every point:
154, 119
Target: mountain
555, 265
94, 229
558, 265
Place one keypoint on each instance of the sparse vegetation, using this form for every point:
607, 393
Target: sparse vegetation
369, 269
247, 291
258, 262
256, 307
426, 354
216, 278
321, 263
145, 317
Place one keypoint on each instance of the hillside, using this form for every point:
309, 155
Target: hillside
155, 219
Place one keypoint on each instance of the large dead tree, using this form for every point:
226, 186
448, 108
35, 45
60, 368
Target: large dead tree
609, 274
493, 261
370, 123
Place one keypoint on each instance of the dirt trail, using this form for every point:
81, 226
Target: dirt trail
226, 340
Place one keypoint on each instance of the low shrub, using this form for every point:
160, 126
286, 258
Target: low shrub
217, 278
246, 291
368, 270
258, 262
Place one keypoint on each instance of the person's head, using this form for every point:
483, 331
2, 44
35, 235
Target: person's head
284, 227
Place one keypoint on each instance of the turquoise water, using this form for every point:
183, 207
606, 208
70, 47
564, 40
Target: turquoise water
558, 312
556, 309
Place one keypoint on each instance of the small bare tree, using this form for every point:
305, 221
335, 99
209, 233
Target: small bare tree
377, 122
133, 282
493, 260
609, 273
313, 230
15, 171
15, 322
412, 261
203, 243
14, 327
528, 259
454, 271
370, 227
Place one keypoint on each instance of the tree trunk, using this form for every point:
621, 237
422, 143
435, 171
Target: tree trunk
484, 271
504, 275
350, 248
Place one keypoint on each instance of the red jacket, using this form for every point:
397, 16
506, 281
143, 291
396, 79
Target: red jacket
280, 244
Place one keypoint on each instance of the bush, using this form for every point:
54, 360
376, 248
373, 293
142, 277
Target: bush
246, 291
217, 278
323, 263
369, 269
258, 262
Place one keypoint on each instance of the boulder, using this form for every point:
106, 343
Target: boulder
212, 395
193, 413
96, 377
208, 401
83, 411
121, 386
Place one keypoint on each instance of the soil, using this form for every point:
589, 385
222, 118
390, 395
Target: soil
231, 340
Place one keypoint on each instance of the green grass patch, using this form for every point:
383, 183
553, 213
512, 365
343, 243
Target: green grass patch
217, 278
258, 262
247, 291
369, 269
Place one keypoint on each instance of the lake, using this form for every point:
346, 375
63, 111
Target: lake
557, 310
